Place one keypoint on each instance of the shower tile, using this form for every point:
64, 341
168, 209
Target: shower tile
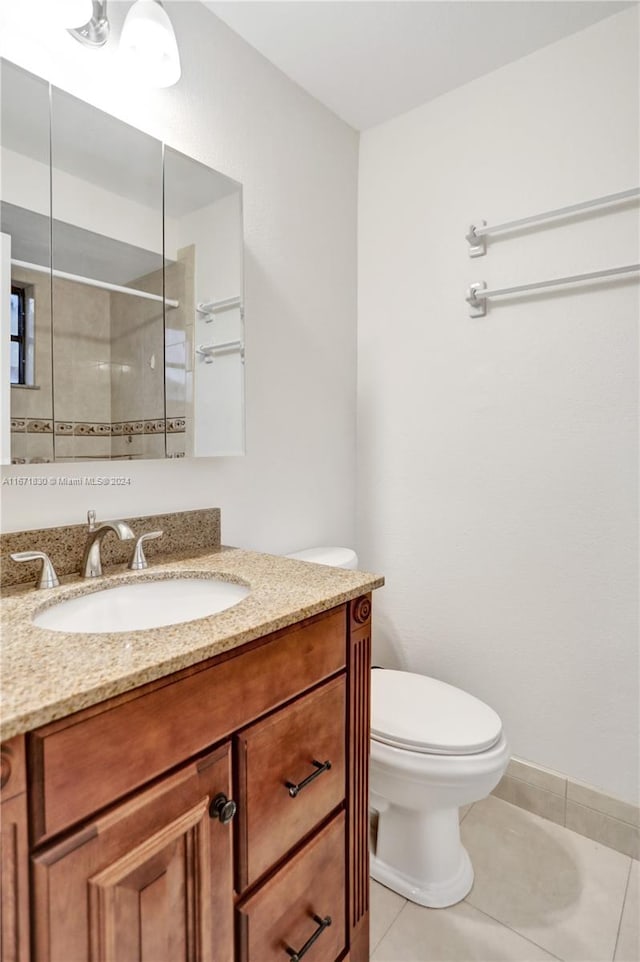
628, 947
457, 934
562, 891
176, 445
385, 907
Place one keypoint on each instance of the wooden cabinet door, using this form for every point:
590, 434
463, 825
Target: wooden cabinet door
14, 854
14, 881
149, 881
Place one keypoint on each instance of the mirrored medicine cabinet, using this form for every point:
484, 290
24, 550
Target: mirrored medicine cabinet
123, 322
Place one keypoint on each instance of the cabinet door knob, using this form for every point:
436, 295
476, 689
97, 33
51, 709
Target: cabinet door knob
223, 808
323, 924
320, 767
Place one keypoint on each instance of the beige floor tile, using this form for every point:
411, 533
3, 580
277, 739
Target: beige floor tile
628, 947
458, 934
385, 907
562, 891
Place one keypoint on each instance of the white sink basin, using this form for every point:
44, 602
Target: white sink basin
145, 604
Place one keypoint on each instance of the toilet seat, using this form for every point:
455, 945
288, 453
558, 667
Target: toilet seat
421, 714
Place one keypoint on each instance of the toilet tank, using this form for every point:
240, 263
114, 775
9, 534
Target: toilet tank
336, 557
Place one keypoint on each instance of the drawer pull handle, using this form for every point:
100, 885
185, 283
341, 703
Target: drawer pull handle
223, 808
323, 924
320, 768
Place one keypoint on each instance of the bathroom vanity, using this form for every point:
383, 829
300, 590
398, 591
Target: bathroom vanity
215, 813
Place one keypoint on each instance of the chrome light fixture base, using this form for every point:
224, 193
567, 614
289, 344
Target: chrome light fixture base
95, 33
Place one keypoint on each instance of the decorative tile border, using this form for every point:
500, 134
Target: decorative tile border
93, 429
154, 427
39, 427
567, 802
176, 425
97, 428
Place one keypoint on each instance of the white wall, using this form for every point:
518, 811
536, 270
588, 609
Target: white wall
498, 456
234, 111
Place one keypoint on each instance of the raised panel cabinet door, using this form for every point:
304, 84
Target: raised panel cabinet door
149, 881
14, 881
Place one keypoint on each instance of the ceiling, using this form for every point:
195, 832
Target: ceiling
369, 61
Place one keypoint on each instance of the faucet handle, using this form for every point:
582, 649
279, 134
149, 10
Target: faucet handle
138, 560
91, 519
48, 578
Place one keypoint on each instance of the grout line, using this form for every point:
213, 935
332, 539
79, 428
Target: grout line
515, 931
624, 900
547, 791
611, 818
372, 948
598, 811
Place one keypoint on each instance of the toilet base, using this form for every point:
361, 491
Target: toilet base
418, 853
435, 895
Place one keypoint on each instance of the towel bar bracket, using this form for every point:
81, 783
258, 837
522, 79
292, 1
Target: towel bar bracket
477, 243
477, 305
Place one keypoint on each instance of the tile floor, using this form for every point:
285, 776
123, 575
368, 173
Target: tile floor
541, 892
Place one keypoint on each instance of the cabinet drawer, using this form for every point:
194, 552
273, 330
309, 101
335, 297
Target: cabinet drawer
282, 794
89, 760
289, 909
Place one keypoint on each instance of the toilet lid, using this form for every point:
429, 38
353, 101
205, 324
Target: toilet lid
335, 556
421, 714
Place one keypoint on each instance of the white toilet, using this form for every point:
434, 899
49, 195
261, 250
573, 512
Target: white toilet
434, 748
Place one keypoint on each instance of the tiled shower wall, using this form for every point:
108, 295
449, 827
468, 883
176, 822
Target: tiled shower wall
109, 363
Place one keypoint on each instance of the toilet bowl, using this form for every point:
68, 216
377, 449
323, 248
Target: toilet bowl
434, 748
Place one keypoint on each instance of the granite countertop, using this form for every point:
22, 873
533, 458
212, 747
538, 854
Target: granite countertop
49, 674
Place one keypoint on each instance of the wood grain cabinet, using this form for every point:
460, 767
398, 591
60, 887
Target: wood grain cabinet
14, 847
149, 880
216, 815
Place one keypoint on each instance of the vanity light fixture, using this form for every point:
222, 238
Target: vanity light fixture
75, 13
148, 44
94, 25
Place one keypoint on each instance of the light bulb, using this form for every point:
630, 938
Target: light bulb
75, 13
148, 44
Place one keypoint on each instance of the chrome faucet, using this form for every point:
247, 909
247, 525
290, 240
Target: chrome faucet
91, 561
